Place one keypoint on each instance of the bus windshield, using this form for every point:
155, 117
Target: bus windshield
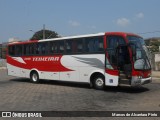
140, 53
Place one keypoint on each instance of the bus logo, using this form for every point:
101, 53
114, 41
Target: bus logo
6, 114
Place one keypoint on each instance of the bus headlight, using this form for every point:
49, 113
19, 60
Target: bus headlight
139, 77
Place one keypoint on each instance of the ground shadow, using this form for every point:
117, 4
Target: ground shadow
127, 89
20, 80
55, 82
124, 89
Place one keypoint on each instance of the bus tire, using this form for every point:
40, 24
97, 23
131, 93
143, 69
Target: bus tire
34, 77
99, 82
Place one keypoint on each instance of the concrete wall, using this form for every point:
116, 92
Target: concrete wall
2, 62
156, 61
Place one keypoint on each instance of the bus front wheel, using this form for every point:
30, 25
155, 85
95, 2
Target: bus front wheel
34, 77
98, 82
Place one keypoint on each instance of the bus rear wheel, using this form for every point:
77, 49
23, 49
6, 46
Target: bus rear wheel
98, 82
34, 77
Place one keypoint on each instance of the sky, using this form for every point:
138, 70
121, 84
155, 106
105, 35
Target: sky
21, 18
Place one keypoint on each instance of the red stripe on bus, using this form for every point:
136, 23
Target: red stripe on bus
41, 63
112, 72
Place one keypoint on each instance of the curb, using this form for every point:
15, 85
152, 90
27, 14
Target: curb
3, 68
156, 74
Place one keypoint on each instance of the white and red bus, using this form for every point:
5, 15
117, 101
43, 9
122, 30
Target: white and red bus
103, 59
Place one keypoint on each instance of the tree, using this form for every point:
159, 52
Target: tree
48, 34
153, 44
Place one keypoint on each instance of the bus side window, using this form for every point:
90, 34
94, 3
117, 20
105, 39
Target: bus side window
69, 46
61, 47
26, 49
18, 50
89, 45
31, 49
53, 47
112, 57
56, 47
94, 44
44, 49
113, 43
100, 44
74, 46
79, 45
11, 50
38, 48
121, 41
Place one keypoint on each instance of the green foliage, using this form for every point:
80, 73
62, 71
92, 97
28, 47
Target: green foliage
48, 34
153, 44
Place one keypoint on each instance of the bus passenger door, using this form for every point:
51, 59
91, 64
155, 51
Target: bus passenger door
124, 65
111, 69
118, 65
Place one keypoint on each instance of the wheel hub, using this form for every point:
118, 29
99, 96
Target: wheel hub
34, 77
99, 82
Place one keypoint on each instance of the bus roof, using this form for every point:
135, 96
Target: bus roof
61, 38
121, 33
76, 37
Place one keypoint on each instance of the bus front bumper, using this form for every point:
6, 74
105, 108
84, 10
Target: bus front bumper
140, 81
